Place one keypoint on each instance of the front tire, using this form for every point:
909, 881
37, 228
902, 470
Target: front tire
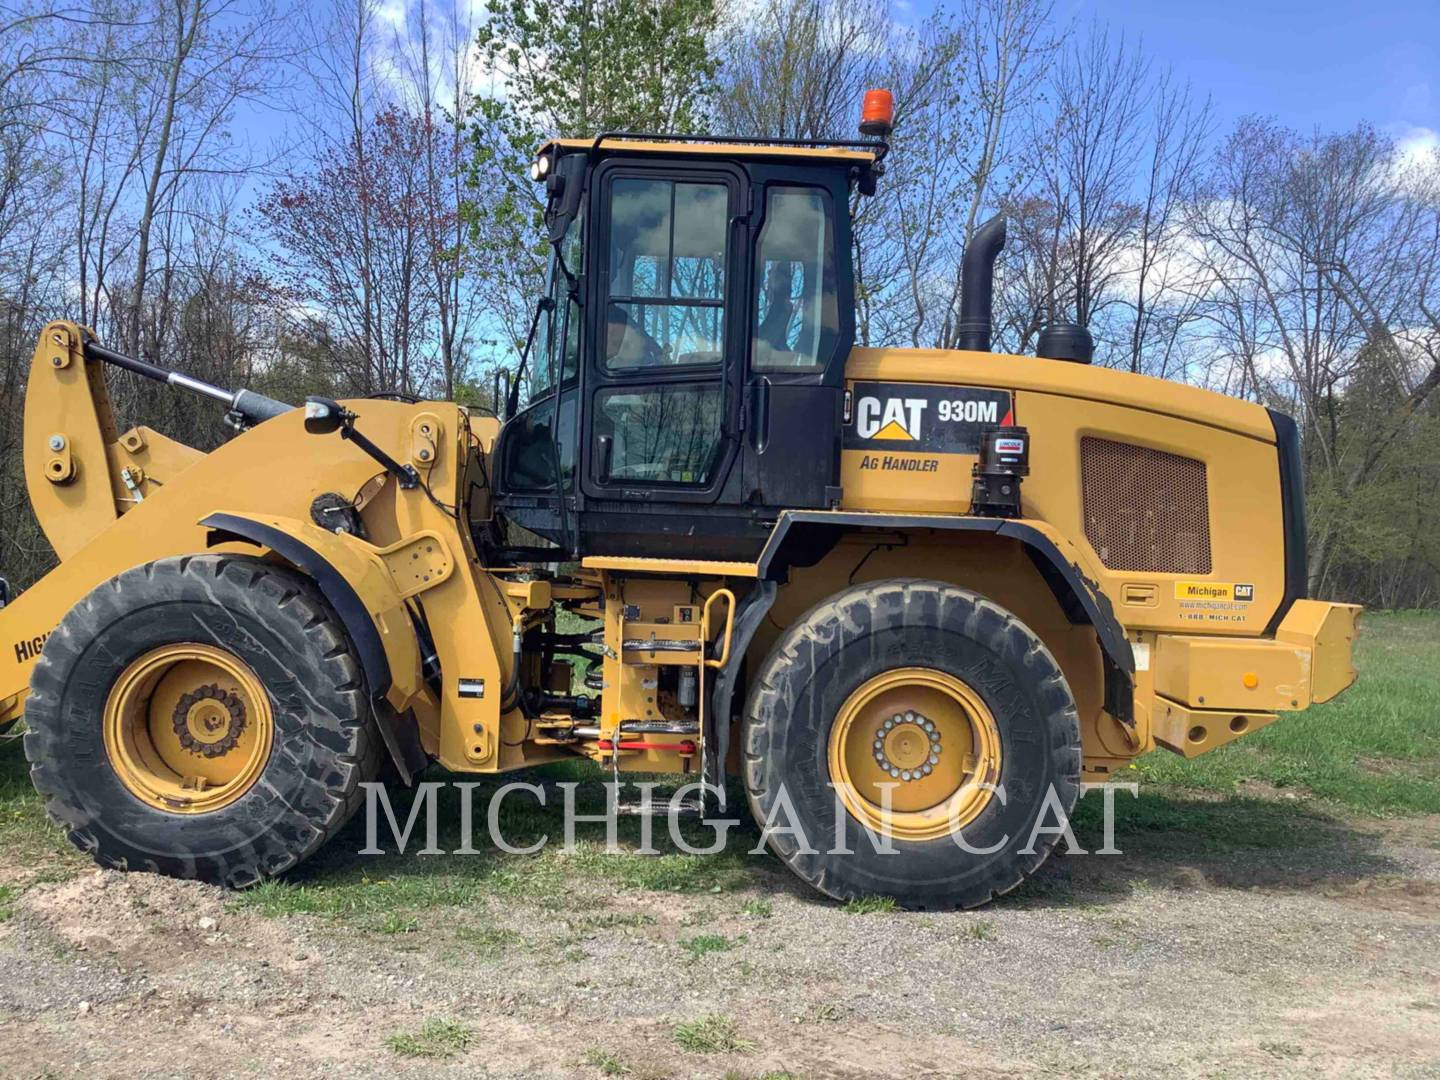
202, 717
943, 696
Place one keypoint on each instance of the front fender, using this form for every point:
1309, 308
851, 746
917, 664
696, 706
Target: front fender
357, 584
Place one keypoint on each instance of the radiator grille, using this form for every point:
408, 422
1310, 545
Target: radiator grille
1145, 509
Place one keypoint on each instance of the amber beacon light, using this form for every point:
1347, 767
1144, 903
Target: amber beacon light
877, 113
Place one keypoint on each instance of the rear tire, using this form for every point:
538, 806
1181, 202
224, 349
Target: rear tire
865, 685
272, 698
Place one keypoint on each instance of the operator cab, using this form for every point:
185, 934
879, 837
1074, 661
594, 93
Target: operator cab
684, 380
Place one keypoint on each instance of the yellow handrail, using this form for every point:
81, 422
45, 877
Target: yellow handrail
729, 625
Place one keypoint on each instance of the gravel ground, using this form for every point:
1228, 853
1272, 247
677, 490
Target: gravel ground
1324, 961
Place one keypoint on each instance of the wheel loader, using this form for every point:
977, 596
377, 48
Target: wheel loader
911, 598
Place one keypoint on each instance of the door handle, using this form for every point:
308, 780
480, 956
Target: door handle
607, 447
760, 404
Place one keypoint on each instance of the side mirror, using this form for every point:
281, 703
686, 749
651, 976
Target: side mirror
322, 415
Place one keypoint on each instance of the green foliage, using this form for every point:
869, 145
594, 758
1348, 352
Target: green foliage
570, 68
869, 905
1373, 515
437, 1038
981, 930
702, 944
580, 67
711, 1035
607, 1063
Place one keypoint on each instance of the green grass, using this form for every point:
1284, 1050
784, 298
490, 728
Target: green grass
607, 1063
822, 1013
869, 905
704, 944
26, 834
394, 922
484, 942
437, 1038
981, 930
711, 1035
1375, 749
365, 891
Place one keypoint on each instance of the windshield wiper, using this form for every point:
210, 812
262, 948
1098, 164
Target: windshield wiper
512, 400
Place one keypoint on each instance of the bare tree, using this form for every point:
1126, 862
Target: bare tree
206, 58
440, 67
1085, 157
1164, 302
1321, 254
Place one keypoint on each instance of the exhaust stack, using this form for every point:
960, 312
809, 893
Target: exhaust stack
977, 284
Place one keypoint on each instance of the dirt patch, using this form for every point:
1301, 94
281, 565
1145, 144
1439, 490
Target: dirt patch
1395, 894
1254, 787
1376, 766
154, 918
1117, 966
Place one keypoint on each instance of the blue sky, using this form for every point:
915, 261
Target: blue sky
1327, 63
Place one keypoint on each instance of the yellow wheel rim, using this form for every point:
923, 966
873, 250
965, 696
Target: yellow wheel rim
914, 754
188, 728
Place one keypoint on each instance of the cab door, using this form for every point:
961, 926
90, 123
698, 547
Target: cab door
802, 326
664, 355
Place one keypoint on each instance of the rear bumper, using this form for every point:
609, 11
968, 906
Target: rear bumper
1209, 691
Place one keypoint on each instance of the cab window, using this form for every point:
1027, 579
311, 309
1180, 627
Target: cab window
541, 375
573, 250
531, 441
665, 306
796, 313
554, 355
668, 434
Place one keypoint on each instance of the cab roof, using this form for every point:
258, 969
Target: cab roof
649, 144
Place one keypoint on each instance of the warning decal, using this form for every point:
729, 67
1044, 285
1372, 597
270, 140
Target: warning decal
923, 417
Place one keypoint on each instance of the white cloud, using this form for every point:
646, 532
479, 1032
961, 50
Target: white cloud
1416, 145
392, 13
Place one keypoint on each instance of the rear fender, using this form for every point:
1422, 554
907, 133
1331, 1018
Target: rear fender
800, 537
